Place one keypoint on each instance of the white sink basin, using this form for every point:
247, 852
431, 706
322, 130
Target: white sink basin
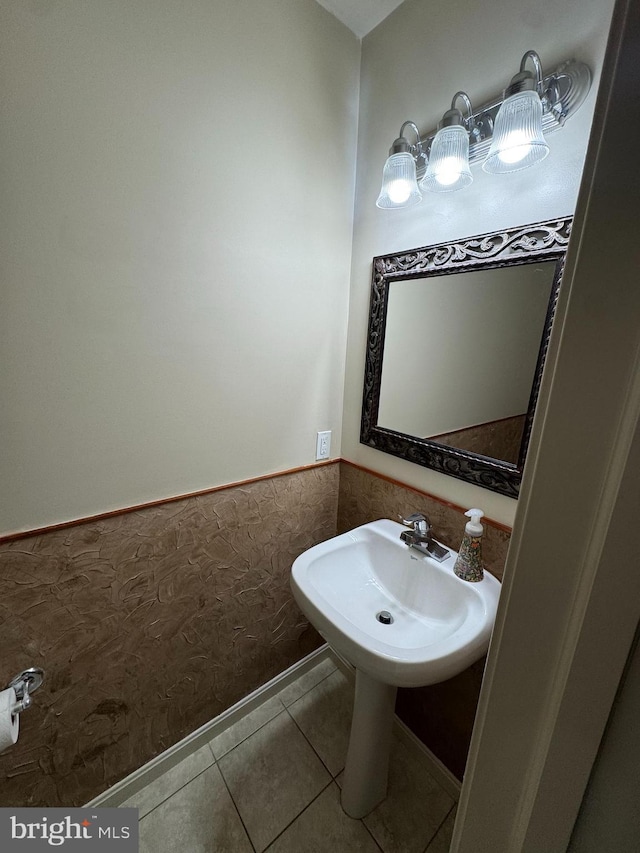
441, 624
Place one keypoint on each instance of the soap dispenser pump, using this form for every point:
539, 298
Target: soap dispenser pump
469, 565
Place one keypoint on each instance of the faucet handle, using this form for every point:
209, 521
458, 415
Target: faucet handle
417, 521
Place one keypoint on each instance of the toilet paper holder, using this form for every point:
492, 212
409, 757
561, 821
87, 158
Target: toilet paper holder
24, 684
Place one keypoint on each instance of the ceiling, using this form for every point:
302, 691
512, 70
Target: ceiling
361, 16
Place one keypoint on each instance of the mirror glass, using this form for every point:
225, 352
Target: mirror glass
458, 334
464, 378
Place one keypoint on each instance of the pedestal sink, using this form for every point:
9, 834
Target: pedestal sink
402, 619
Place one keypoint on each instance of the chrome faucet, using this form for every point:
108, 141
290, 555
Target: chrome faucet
420, 537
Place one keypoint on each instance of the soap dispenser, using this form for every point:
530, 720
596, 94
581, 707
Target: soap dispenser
469, 565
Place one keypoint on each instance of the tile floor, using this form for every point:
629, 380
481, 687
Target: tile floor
271, 782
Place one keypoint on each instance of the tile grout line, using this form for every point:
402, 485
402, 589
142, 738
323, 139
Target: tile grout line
266, 722
173, 793
337, 669
315, 751
331, 782
293, 820
255, 731
237, 811
441, 824
324, 678
371, 835
284, 710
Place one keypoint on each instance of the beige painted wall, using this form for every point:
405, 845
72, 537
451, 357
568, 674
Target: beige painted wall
175, 234
175, 231
412, 64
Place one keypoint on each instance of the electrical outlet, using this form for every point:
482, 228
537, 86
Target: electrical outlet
323, 445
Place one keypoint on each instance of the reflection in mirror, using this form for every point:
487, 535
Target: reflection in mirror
460, 355
458, 334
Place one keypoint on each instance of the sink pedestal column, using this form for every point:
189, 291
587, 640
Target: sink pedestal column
366, 771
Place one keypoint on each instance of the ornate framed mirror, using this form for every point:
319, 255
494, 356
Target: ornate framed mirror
458, 335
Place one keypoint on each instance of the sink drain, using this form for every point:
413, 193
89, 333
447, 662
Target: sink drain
385, 617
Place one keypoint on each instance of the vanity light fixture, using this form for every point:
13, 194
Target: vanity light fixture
506, 134
399, 180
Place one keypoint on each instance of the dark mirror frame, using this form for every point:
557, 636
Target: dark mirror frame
525, 244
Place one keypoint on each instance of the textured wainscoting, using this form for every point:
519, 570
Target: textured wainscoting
154, 621
149, 624
441, 715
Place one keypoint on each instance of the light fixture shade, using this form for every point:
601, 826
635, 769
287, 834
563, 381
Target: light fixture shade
448, 168
518, 141
399, 184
